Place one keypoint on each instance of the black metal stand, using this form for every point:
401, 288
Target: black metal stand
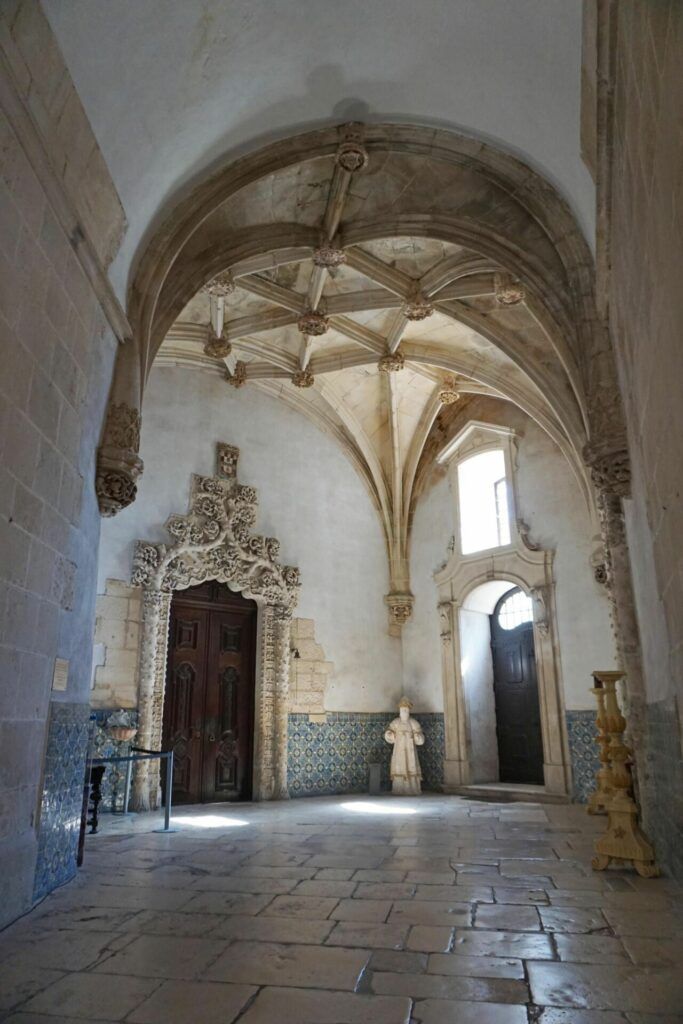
94, 770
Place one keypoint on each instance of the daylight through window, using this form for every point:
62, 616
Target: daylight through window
483, 493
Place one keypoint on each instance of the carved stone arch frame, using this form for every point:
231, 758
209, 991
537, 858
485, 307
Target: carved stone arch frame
524, 565
532, 571
214, 542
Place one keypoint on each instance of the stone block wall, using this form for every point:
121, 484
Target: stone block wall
60, 221
117, 636
646, 324
309, 671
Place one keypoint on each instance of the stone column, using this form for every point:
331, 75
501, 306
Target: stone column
118, 462
282, 630
610, 471
456, 763
145, 794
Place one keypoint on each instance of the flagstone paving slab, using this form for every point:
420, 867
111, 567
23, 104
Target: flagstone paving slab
341, 911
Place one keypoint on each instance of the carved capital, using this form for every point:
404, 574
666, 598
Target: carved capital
610, 468
400, 607
392, 362
118, 463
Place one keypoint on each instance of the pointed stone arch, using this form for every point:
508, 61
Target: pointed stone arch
213, 541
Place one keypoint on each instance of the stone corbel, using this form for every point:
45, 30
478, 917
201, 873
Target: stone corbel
610, 467
400, 607
118, 463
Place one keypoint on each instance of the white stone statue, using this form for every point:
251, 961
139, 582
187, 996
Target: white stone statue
405, 734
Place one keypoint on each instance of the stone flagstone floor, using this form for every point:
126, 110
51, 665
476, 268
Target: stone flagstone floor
349, 911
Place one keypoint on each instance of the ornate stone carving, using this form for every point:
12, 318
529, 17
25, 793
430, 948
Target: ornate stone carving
329, 256
524, 531
444, 610
392, 362
118, 463
352, 155
215, 347
220, 286
303, 379
508, 290
213, 541
227, 457
610, 469
418, 307
238, 378
400, 607
123, 427
600, 573
313, 323
539, 596
448, 395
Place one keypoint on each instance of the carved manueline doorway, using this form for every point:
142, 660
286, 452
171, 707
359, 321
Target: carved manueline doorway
214, 543
209, 699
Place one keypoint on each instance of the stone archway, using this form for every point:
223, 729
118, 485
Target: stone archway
214, 542
531, 569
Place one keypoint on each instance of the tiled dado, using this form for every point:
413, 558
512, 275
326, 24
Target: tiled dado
583, 751
113, 781
334, 756
60, 814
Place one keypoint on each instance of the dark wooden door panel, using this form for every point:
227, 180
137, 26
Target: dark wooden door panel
209, 705
229, 707
184, 701
518, 715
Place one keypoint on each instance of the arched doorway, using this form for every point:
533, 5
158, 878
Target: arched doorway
515, 690
209, 698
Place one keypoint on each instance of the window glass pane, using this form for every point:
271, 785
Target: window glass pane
515, 610
484, 517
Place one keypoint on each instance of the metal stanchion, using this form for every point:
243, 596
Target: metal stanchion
169, 794
126, 792
140, 755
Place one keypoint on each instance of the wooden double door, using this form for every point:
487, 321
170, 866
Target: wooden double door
518, 713
209, 702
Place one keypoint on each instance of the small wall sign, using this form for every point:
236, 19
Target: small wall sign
60, 675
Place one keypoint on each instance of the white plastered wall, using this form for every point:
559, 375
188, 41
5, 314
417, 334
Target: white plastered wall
204, 79
310, 498
550, 502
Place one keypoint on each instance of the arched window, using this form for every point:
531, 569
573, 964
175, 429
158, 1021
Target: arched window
483, 500
515, 609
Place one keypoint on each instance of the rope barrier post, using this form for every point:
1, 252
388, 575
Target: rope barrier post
126, 792
168, 793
